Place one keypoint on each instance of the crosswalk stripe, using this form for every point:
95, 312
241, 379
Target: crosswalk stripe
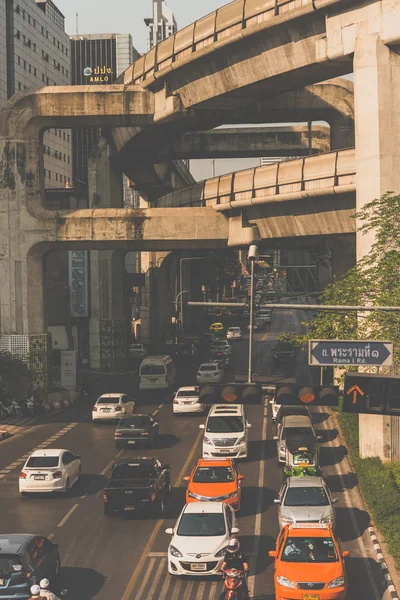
146, 578
168, 580
153, 591
175, 591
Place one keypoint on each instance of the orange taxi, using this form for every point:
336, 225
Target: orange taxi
215, 480
309, 563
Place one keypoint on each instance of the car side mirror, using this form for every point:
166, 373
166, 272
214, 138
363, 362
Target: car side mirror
273, 553
248, 426
167, 466
235, 530
345, 553
170, 531
277, 501
241, 477
271, 401
319, 438
276, 438
202, 426
77, 456
334, 500
186, 478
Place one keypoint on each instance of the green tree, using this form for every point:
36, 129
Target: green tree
222, 268
373, 281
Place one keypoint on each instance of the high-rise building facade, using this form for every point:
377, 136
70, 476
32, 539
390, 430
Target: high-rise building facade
161, 25
96, 60
35, 52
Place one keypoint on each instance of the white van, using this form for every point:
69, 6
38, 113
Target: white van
156, 373
226, 432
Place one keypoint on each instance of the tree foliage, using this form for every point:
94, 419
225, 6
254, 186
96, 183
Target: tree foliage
12, 371
373, 281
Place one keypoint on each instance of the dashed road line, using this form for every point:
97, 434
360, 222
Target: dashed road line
67, 516
157, 554
154, 413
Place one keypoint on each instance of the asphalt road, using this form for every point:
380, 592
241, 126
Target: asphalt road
125, 558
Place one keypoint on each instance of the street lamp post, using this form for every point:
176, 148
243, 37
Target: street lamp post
252, 256
180, 295
181, 282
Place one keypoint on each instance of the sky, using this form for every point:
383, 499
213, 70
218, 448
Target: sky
126, 16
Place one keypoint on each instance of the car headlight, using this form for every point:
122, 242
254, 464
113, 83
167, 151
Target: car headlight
240, 440
285, 582
287, 520
221, 553
328, 519
207, 440
335, 583
191, 495
175, 552
282, 447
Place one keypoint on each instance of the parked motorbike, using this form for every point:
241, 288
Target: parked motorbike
34, 406
234, 588
12, 409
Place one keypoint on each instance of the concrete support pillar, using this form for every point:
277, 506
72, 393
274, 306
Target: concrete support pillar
377, 109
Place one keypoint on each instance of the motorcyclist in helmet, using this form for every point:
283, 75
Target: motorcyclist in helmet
235, 559
35, 592
45, 592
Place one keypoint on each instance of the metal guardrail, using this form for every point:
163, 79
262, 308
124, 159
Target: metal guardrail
310, 175
219, 25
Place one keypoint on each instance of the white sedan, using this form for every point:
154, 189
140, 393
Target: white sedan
50, 471
234, 333
210, 373
112, 407
187, 400
200, 538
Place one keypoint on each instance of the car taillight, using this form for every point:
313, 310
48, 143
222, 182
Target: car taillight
26, 575
105, 497
57, 475
118, 408
176, 401
144, 433
23, 475
153, 496
94, 409
117, 434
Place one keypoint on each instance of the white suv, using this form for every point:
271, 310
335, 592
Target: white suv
226, 432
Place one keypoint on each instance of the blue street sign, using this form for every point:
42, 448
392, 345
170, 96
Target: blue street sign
323, 353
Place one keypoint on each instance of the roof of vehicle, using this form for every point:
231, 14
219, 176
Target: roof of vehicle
189, 388
131, 460
207, 364
48, 452
307, 481
13, 542
111, 395
215, 462
133, 418
216, 325
296, 421
234, 328
157, 357
293, 411
203, 507
312, 529
283, 346
227, 409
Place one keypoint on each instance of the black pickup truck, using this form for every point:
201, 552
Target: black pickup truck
137, 484
283, 353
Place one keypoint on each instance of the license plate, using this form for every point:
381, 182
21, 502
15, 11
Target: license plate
310, 596
130, 508
1, 581
187, 402
132, 442
41, 477
303, 464
224, 451
106, 409
198, 567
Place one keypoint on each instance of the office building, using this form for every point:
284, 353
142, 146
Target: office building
35, 52
96, 60
161, 25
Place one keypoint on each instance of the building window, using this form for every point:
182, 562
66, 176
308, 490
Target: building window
25, 65
23, 14
43, 79
19, 86
64, 157
29, 19
17, 34
56, 176
66, 51
30, 68
67, 137
63, 135
59, 133
17, 9
42, 30
49, 174
47, 81
19, 60
47, 34
34, 47
34, 23
67, 72
69, 159
63, 70
35, 72
58, 45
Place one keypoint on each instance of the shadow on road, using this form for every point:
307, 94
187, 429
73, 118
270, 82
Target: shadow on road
332, 456
79, 583
327, 435
339, 483
345, 519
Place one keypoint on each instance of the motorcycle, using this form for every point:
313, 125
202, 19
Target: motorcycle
34, 406
13, 409
234, 588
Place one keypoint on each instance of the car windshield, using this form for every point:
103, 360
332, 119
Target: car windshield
234, 329
42, 461
306, 496
136, 347
134, 423
225, 424
211, 367
213, 475
133, 471
295, 431
306, 550
8, 562
108, 400
201, 525
187, 394
221, 344
152, 370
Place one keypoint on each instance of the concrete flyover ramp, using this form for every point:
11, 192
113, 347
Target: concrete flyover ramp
307, 197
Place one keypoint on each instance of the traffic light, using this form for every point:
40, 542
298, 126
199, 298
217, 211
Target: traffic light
230, 393
307, 395
367, 393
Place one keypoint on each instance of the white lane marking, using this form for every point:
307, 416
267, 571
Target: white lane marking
175, 591
168, 579
348, 503
67, 516
264, 337
200, 591
258, 521
152, 592
157, 554
51, 536
104, 471
41, 446
154, 413
146, 578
